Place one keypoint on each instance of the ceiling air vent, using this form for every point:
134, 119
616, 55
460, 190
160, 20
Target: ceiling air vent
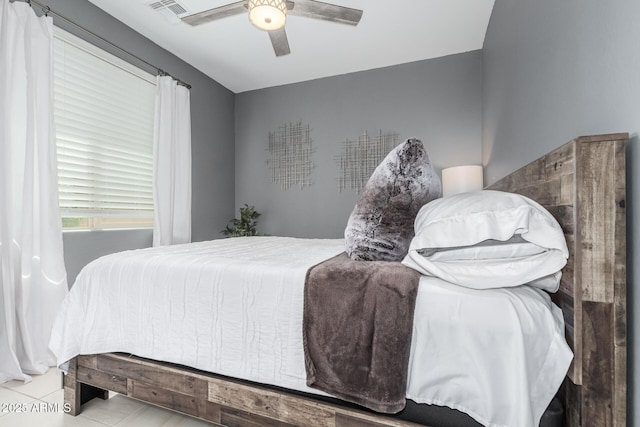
172, 10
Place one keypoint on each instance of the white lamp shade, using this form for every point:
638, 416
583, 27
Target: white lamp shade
461, 179
268, 15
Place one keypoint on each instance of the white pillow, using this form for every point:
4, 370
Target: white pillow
488, 239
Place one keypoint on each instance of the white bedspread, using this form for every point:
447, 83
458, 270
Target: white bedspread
234, 307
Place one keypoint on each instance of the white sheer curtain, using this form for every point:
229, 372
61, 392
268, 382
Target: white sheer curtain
33, 280
172, 164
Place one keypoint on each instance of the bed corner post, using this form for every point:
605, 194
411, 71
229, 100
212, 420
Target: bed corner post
77, 393
71, 389
600, 267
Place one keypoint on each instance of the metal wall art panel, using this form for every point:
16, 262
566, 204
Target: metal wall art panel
360, 157
290, 150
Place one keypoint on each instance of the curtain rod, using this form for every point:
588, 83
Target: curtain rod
47, 10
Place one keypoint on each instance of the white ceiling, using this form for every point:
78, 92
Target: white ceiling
240, 57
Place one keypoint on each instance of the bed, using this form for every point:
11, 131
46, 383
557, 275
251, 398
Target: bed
580, 183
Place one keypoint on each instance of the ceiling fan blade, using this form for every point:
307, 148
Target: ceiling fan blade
203, 17
279, 42
326, 11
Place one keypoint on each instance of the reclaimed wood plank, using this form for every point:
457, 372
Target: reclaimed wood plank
102, 380
196, 406
547, 193
72, 389
595, 238
567, 190
560, 161
611, 137
89, 361
598, 361
620, 288
572, 398
619, 400
268, 403
150, 374
567, 279
565, 216
288, 408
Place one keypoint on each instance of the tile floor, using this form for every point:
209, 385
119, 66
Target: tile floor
41, 405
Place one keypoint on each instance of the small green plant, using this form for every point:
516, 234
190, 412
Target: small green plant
245, 226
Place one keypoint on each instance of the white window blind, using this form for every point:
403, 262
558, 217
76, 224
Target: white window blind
104, 112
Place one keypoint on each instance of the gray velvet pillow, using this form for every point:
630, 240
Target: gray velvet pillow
380, 227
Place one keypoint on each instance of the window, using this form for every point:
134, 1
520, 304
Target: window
104, 112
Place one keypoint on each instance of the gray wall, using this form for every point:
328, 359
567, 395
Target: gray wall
437, 101
556, 70
212, 137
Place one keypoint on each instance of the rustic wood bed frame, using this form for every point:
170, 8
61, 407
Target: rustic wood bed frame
582, 184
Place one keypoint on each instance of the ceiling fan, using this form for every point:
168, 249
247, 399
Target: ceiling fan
271, 15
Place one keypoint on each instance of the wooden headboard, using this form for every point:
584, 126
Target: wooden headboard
582, 184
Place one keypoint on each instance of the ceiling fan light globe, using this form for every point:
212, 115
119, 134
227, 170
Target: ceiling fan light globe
268, 15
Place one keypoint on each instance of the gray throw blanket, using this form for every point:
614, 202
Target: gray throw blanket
358, 319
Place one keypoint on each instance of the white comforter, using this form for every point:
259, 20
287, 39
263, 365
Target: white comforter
234, 307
